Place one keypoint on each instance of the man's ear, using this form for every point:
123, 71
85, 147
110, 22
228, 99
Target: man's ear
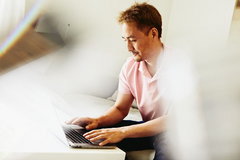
154, 33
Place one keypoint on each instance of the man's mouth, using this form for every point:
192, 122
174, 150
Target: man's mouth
134, 53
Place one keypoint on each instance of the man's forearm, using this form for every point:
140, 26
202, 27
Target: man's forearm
118, 112
146, 129
111, 117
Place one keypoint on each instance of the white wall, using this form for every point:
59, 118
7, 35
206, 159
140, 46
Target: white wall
202, 21
29, 5
9, 20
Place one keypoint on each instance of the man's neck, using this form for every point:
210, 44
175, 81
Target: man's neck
151, 62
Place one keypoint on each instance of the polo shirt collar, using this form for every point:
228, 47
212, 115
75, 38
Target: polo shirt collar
143, 68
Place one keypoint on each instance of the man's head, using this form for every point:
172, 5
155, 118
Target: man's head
144, 15
141, 29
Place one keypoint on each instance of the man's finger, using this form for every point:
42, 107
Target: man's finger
80, 122
90, 126
92, 132
92, 135
99, 137
70, 121
106, 141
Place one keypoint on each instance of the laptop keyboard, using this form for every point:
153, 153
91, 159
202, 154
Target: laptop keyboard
74, 136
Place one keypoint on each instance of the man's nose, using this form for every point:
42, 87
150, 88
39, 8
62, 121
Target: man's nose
129, 46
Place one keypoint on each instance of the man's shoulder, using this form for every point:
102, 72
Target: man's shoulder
175, 55
173, 50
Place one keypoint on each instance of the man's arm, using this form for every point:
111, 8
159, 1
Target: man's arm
118, 112
114, 135
113, 116
146, 129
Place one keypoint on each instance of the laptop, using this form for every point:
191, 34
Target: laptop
73, 135
75, 138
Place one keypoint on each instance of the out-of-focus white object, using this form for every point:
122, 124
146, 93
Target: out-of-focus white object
11, 14
179, 86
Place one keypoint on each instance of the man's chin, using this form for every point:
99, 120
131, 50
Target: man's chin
137, 59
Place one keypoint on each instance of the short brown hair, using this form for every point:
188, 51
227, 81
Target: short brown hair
144, 15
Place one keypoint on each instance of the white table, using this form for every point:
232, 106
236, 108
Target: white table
23, 138
46, 146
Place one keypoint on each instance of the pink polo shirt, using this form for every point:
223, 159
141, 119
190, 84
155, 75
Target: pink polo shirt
135, 79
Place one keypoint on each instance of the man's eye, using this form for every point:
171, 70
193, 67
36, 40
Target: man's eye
133, 40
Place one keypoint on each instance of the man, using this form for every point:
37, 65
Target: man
141, 29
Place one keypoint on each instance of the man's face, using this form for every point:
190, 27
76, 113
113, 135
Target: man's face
138, 43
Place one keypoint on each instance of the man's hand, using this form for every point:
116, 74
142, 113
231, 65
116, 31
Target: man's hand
87, 123
111, 135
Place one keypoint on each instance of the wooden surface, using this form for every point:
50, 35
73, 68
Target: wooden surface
29, 47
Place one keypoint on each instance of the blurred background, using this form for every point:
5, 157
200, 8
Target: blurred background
82, 42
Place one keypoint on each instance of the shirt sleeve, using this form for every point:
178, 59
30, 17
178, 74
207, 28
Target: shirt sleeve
123, 85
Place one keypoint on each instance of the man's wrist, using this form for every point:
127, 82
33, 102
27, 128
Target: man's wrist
125, 131
99, 121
